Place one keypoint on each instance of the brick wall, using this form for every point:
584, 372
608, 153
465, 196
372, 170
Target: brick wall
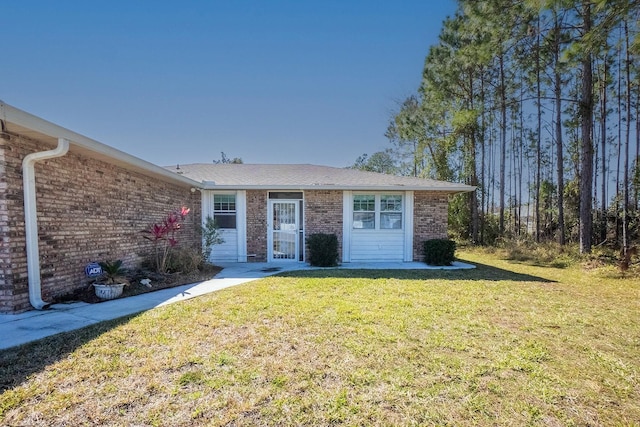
7, 232
88, 210
323, 214
430, 218
257, 225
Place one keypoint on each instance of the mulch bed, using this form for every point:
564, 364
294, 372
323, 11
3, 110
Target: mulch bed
158, 281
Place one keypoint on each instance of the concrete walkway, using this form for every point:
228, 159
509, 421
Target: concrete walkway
17, 329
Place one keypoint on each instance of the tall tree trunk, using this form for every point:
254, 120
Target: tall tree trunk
586, 146
473, 197
637, 186
514, 182
482, 159
520, 179
557, 89
625, 207
619, 153
539, 133
415, 158
503, 140
603, 144
491, 171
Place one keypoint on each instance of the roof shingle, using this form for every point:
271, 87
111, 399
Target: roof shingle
305, 176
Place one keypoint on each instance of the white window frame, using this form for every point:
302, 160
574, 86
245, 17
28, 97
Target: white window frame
226, 212
391, 212
354, 223
378, 210
407, 222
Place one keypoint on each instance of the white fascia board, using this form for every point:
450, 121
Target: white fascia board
207, 185
26, 120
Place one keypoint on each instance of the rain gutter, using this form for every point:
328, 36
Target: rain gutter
31, 219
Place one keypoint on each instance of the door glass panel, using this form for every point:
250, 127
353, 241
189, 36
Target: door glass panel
285, 230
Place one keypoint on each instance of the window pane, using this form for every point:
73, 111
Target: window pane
391, 220
224, 202
391, 203
364, 203
225, 220
292, 195
366, 220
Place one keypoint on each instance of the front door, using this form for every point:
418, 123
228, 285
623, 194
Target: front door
283, 230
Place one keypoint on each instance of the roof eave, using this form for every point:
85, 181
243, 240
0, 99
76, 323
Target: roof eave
26, 120
447, 189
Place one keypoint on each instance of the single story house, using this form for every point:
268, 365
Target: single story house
67, 200
265, 211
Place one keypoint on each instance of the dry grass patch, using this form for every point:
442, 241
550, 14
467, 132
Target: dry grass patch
503, 345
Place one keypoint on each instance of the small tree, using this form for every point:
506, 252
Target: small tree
210, 236
164, 235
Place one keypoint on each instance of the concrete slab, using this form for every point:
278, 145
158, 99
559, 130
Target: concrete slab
257, 269
17, 329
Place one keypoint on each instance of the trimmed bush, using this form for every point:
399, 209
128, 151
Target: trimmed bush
323, 250
439, 251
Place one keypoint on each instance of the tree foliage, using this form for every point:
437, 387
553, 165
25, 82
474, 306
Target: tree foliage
381, 162
227, 160
536, 103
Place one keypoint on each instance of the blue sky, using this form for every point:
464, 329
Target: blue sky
179, 82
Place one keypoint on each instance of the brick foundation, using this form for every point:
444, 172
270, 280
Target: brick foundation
88, 210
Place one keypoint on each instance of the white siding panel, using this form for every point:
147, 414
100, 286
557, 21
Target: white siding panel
227, 251
370, 245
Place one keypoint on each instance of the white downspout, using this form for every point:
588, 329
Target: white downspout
31, 219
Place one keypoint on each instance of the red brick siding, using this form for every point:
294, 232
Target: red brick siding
257, 225
430, 218
8, 232
88, 210
323, 214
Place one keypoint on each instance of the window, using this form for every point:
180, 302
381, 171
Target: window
391, 212
224, 210
387, 216
364, 211
291, 195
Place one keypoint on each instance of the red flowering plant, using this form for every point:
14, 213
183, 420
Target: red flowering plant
164, 235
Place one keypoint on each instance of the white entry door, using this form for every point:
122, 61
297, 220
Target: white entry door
283, 231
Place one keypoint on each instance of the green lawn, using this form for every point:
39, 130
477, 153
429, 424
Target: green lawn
506, 344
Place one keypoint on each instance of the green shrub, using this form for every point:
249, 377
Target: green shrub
113, 272
439, 251
323, 250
